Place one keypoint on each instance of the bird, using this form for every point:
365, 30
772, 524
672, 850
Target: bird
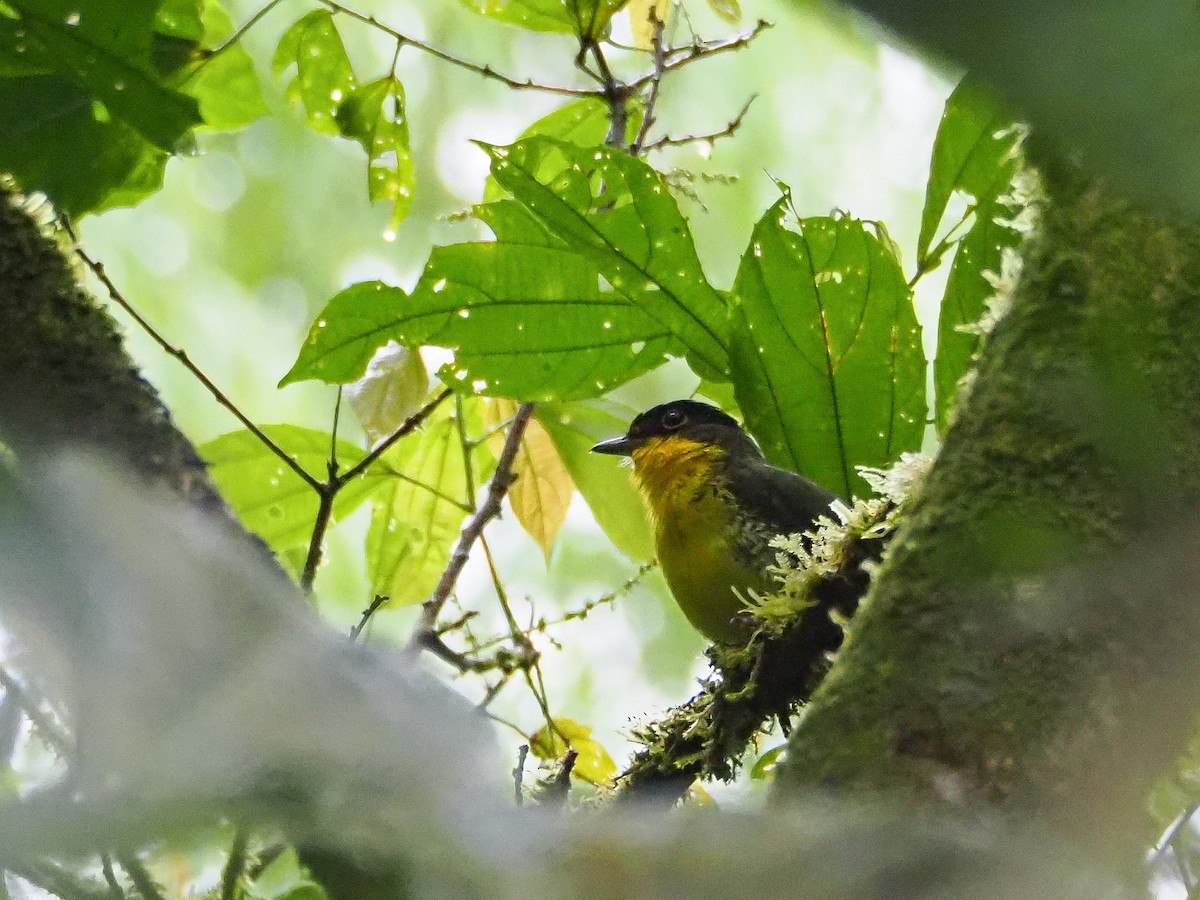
715, 504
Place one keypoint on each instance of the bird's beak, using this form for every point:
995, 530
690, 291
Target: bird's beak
621, 446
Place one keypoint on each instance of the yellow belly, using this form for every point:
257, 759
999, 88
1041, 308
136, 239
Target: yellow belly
702, 570
693, 526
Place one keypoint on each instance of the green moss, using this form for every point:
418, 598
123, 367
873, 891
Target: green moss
995, 636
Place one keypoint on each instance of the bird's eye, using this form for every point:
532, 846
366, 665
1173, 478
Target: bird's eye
672, 419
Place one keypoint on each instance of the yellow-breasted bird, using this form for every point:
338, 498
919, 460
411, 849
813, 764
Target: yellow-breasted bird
715, 503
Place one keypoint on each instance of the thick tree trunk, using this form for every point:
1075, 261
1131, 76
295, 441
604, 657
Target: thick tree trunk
1032, 643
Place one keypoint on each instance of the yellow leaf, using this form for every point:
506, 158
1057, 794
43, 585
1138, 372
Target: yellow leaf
543, 490
592, 764
642, 16
698, 797
729, 10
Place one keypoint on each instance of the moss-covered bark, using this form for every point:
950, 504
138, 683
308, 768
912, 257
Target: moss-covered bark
65, 379
1033, 640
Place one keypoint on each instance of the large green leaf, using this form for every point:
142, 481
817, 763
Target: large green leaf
586, 18
526, 322
976, 152
353, 325
417, 515
84, 116
324, 76
271, 499
980, 252
616, 211
826, 352
584, 122
608, 489
226, 84
106, 49
374, 116
975, 140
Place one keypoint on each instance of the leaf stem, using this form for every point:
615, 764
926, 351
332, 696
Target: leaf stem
501, 481
178, 353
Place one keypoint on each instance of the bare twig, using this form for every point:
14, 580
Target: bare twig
181, 355
728, 131
376, 602
407, 427
328, 490
554, 794
51, 732
110, 877
140, 876
518, 774
615, 93
502, 480
234, 38
679, 57
235, 865
484, 71
660, 60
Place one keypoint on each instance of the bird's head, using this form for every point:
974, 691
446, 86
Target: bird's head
679, 436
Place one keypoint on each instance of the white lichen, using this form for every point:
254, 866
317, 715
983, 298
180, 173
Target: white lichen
805, 559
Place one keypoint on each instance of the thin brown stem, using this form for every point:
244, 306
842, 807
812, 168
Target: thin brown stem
234, 38
140, 876
501, 481
678, 57
407, 427
484, 71
376, 602
316, 541
728, 131
181, 355
660, 59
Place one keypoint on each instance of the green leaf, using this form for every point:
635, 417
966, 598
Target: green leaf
394, 387
592, 763
586, 18
226, 85
609, 490
976, 139
373, 114
977, 151
271, 499
529, 323
965, 301
324, 76
616, 211
418, 513
84, 116
826, 355
53, 139
353, 325
107, 52
285, 879
526, 322
584, 122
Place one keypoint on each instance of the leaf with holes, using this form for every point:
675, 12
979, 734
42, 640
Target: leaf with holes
543, 490
584, 122
526, 322
826, 354
272, 500
324, 76
615, 211
373, 114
